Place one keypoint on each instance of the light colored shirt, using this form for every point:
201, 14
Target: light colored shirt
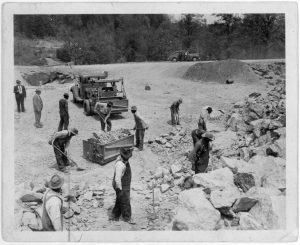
37, 103
102, 108
120, 168
204, 113
60, 135
20, 89
53, 208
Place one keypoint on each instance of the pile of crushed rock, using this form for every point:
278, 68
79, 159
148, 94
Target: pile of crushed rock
220, 71
41, 78
260, 121
111, 136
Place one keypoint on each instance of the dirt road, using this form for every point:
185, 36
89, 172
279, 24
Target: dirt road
34, 158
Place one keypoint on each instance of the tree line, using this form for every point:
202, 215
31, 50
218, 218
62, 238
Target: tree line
96, 39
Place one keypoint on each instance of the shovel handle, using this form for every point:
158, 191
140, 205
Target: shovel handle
65, 155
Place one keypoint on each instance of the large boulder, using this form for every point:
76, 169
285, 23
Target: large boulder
236, 122
279, 207
223, 198
245, 181
248, 222
263, 211
244, 204
219, 179
260, 126
195, 212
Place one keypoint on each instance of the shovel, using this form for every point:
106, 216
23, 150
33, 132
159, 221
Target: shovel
77, 168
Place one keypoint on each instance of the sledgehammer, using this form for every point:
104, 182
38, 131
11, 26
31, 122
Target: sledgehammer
77, 168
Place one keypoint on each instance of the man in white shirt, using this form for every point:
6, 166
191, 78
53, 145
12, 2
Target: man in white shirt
52, 218
121, 184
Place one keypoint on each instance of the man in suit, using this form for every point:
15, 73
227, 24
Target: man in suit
20, 93
64, 113
37, 108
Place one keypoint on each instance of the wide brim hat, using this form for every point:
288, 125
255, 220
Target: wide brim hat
133, 108
208, 136
126, 153
18, 81
56, 182
37, 90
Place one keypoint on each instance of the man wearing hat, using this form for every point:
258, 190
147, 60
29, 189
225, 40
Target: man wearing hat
20, 94
200, 153
64, 113
104, 112
37, 108
52, 219
61, 141
197, 133
121, 183
140, 127
175, 112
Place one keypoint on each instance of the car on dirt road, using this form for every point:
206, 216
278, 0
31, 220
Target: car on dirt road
184, 55
97, 88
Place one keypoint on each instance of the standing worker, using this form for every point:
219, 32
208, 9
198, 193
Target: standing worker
205, 113
104, 112
20, 94
64, 113
121, 184
175, 112
52, 219
37, 108
200, 153
61, 141
197, 133
140, 127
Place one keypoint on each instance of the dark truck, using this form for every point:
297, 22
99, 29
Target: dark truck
184, 55
97, 88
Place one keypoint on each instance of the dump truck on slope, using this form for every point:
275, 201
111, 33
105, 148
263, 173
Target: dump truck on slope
97, 88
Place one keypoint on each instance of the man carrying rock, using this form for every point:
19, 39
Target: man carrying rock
175, 112
37, 108
52, 219
200, 153
64, 113
104, 112
140, 127
61, 141
20, 94
121, 184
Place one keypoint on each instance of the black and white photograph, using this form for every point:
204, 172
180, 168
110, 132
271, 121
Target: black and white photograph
150, 122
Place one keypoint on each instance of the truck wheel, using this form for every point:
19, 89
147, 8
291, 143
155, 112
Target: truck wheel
87, 107
174, 59
195, 59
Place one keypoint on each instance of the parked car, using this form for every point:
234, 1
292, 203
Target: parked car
184, 55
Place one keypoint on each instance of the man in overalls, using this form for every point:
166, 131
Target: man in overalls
61, 141
52, 218
121, 184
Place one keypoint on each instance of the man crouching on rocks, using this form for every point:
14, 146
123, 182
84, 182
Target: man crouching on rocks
121, 184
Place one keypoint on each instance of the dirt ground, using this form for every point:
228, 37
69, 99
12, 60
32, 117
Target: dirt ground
34, 158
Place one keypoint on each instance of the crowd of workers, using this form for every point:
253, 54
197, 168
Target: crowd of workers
52, 203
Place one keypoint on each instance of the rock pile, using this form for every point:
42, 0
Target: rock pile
108, 137
178, 139
41, 78
260, 122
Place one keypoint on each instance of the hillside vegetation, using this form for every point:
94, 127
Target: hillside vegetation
101, 39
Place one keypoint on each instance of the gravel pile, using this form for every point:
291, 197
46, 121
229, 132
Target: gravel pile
220, 71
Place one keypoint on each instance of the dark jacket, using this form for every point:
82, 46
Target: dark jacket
63, 107
175, 106
16, 91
